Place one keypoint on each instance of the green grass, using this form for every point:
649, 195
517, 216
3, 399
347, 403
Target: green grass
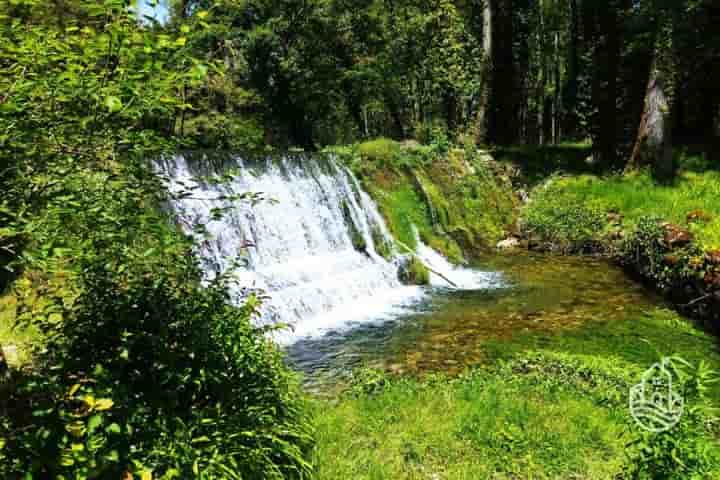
634, 197
638, 341
486, 424
639, 195
546, 406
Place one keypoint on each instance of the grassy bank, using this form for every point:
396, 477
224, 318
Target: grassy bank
458, 200
575, 209
667, 233
538, 415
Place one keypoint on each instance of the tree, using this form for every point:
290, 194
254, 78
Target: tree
653, 145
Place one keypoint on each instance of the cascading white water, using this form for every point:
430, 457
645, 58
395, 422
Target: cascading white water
302, 252
311, 244
462, 278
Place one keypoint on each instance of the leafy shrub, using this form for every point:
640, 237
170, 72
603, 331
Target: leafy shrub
567, 223
225, 132
145, 369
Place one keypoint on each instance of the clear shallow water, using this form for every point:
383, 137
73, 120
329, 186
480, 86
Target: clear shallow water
449, 330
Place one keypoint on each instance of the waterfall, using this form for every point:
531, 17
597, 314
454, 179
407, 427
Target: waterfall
313, 244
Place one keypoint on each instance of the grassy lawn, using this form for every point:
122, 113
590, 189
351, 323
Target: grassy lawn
692, 193
484, 425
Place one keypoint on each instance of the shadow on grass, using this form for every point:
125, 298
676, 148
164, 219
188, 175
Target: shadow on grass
539, 162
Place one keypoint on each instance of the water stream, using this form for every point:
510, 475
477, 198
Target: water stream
318, 247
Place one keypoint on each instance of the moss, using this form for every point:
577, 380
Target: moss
450, 198
414, 272
381, 151
356, 237
382, 246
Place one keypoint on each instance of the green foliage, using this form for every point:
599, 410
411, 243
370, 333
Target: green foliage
567, 223
381, 152
688, 449
224, 132
582, 201
456, 201
141, 369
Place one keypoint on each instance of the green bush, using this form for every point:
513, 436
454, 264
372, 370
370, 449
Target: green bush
565, 222
144, 369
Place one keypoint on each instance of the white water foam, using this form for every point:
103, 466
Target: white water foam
463, 278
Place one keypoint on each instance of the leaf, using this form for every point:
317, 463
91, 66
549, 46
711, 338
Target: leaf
114, 429
113, 103
94, 422
103, 404
73, 389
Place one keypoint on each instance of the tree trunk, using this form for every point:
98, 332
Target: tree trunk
602, 31
503, 115
570, 93
653, 144
481, 131
541, 82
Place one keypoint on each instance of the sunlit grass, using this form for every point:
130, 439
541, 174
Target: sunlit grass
493, 426
639, 195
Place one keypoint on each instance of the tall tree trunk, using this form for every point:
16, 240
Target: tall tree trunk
503, 121
570, 93
653, 144
556, 80
605, 43
483, 117
541, 80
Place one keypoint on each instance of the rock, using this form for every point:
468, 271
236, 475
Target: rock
713, 257
712, 280
508, 244
699, 216
676, 236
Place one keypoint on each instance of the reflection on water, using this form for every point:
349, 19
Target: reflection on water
450, 329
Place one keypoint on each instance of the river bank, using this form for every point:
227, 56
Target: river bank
666, 234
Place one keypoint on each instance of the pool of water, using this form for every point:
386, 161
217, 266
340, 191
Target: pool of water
450, 330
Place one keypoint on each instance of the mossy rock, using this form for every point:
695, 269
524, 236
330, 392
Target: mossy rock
413, 272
